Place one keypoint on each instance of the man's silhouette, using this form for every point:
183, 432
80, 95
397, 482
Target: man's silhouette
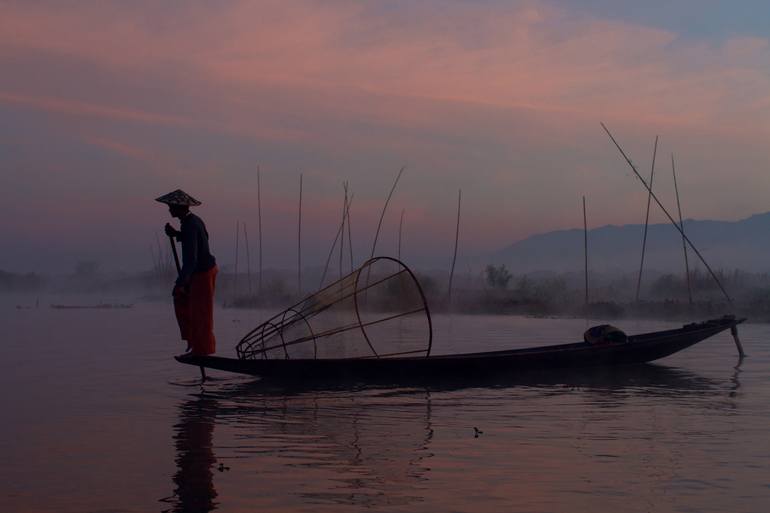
194, 288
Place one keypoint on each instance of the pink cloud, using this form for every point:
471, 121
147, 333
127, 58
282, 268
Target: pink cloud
530, 57
77, 108
118, 147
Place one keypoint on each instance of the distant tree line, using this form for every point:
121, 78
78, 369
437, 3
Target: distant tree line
15, 282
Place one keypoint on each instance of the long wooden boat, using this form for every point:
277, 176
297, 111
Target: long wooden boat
639, 348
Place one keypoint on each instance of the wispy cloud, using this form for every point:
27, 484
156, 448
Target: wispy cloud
121, 148
76, 108
527, 55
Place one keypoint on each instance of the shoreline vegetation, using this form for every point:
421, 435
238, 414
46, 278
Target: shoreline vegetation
492, 290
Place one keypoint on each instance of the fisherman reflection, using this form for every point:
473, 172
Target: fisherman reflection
194, 485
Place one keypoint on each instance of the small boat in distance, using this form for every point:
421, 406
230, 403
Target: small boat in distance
640, 348
99, 306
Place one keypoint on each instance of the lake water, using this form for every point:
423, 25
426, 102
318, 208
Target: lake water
97, 417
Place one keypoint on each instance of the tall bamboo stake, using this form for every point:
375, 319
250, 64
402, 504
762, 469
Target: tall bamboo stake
344, 211
585, 245
248, 256
646, 220
681, 224
299, 240
384, 208
670, 218
457, 239
329, 257
350, 238
379, 225
259, 221
235, 278
340, 232
400, 228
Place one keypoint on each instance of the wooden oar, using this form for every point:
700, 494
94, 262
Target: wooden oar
176, 255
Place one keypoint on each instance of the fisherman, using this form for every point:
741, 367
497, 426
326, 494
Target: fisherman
194, 288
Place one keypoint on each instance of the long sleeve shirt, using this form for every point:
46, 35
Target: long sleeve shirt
196, 256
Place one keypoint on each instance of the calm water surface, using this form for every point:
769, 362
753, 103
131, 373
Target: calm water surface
97, 417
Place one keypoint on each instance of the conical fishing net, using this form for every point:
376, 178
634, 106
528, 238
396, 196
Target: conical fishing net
377, 311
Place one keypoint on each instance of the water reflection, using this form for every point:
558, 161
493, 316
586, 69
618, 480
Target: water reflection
194, 490
643, 379
606, 388
370, 445
353, 447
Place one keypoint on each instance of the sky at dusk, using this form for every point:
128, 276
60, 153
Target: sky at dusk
106, 105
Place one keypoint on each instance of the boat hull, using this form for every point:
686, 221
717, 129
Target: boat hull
639, 349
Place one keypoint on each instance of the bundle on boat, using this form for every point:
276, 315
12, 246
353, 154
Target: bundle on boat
377, 311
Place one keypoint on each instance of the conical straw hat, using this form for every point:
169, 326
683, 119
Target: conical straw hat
178, 197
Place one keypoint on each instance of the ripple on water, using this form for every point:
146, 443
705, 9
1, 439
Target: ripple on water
688, 434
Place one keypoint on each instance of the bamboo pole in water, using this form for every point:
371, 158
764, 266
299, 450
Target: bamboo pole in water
670, 218
646, 220
585, 245
400, 228
681, 224
299, 240
248, 256
340, 232
457, 239
347, 216
259, 227
344, 211
384, 208
379, 226
235, 275
329, 257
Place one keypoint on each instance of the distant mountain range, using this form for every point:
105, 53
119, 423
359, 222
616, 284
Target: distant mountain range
728, 245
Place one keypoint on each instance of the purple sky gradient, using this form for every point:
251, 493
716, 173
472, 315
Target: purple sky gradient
107, 105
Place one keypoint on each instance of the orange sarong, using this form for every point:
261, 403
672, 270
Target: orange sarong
195, 313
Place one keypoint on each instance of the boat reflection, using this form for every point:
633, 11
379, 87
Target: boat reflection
644, 379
